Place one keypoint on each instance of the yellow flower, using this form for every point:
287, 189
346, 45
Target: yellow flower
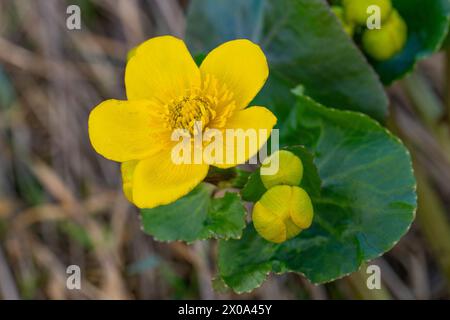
282, 213
166, 91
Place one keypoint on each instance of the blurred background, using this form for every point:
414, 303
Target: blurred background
62, 204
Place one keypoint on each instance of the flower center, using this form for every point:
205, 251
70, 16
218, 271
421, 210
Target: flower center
200, 108
188, 111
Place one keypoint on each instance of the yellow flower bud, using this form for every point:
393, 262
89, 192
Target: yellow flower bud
348, 26
356, 10
382, 44
282, 213
290, 169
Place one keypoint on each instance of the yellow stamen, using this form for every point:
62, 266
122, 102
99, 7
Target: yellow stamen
184, 112
213, 102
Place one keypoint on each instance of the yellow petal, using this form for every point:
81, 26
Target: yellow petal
161, 68
124, 130
241, 66
301, 209
268, 225
158, 181
277, 201
292, 230
127, 170
256, 124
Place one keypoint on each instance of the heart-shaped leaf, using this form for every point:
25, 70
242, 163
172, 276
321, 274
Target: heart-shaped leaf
304, 43
367, 202
196, 216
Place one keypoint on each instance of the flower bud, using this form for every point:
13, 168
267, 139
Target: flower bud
382, 44
356, 10
348, 26
290, 169
282, 213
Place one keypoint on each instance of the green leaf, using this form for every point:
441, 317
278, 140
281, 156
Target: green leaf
428, 23
241, 178
304, 43
367, 202
252, 259
254, 188
196, 216
311, 179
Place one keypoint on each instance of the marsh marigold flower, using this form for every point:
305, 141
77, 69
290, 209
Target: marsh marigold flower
167, 91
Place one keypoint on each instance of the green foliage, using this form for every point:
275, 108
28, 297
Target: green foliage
367, 202
254, 188
311, 179
196, 216
305, 44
